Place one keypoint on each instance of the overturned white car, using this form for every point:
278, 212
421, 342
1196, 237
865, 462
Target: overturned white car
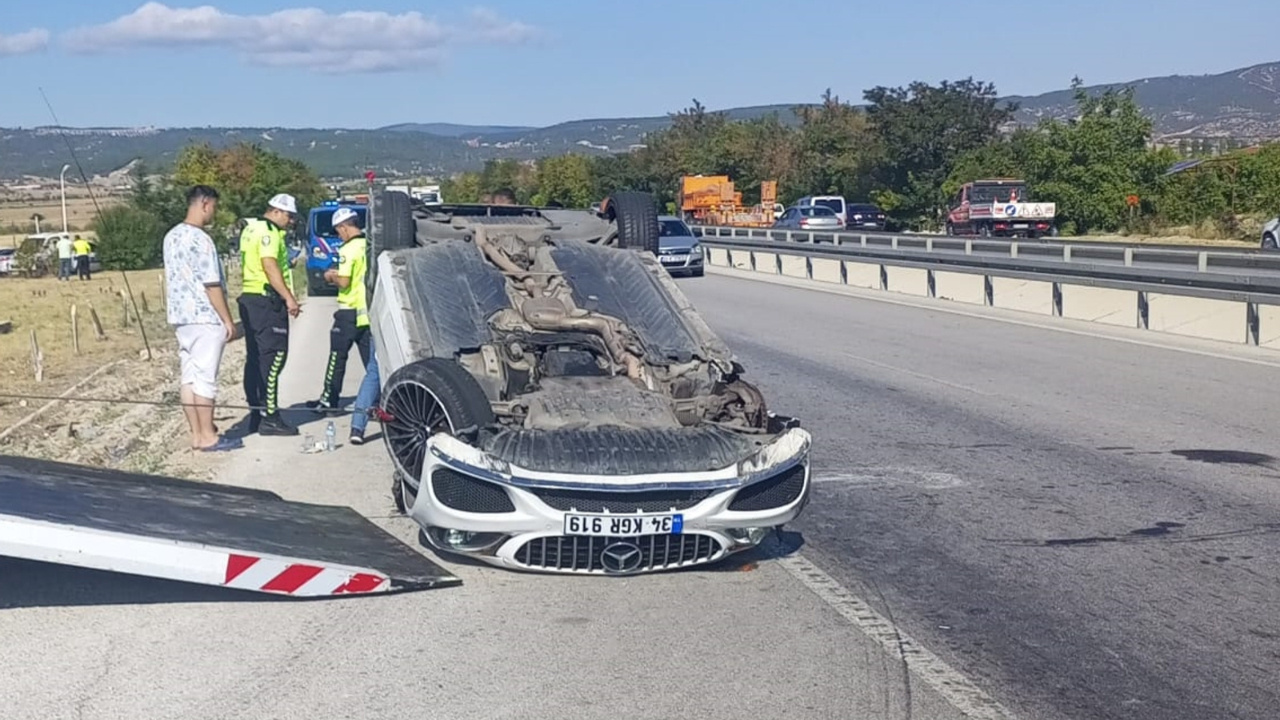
551, 400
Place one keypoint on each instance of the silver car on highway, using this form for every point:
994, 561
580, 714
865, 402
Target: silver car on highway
809, 217
679, 250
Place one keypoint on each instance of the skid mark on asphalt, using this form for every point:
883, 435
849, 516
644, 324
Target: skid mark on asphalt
890, 476
1164, 532
954, 687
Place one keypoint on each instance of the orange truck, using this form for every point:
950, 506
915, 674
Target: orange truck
713, 200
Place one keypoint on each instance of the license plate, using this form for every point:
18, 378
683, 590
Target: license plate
623, 525
671, 259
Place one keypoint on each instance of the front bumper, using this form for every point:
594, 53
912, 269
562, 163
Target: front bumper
470, 503
680, 261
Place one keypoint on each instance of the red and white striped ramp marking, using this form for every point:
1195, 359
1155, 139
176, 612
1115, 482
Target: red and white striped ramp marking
187, 562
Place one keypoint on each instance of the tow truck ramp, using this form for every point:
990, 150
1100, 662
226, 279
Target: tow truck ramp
200, 532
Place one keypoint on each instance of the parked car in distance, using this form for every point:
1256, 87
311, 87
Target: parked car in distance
865, 216
809, 217
835, 202
679, 250
1271, 234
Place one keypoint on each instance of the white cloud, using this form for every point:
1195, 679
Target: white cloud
24, 43
348, 42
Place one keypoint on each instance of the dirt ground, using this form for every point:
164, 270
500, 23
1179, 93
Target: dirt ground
125, 435
80, 212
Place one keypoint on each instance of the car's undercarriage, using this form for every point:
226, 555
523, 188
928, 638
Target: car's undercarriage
586, 368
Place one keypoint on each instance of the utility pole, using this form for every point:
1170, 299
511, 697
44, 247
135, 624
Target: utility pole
62, 181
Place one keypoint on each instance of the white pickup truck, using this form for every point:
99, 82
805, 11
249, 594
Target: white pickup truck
998, 208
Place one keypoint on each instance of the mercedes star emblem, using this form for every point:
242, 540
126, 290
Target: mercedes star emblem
620, 557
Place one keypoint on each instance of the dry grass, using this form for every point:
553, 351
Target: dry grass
137, 437
16, 214
1171, 239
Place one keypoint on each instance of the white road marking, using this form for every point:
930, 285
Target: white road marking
891, 476
913, 373
941, 306
954, 687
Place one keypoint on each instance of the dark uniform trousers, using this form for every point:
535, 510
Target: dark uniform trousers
343, 335
266, 337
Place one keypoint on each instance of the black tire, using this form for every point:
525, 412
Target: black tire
423, 398
393, 229
1269, 242
636, 215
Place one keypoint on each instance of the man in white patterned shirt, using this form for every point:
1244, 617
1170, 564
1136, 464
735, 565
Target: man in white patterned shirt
196, 299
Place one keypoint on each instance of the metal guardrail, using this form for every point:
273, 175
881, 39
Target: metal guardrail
1253, 277
881, 237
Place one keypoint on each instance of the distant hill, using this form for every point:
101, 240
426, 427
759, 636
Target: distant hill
452, 130
1243, 104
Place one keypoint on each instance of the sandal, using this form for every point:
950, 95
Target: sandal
224, 443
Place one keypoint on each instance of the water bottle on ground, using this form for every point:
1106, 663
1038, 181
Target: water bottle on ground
330, 434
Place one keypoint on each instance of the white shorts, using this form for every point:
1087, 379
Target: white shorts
200, 353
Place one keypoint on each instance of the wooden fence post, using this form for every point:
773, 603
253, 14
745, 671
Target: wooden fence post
97, 323
75, 329
37, 356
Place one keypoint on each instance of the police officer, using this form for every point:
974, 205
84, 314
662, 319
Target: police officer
351, 320
266, 304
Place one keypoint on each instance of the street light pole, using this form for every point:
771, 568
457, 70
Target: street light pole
62, 180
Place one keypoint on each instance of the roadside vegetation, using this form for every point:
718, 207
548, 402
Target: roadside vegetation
131, 233
909, 148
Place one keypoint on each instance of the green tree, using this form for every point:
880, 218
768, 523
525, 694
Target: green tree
837, 150
461, 188
921, 132
564, 179
129, 238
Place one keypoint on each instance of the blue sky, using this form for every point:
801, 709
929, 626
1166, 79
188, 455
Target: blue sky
235, 62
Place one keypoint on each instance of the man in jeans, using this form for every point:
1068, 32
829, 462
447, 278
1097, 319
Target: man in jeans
66, 256
366, 398
196, 295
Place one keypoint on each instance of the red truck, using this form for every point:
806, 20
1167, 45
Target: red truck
998, 207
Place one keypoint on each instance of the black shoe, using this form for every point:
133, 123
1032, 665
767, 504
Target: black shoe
273, 424
357, 437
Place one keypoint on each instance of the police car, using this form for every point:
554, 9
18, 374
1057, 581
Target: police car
322, 243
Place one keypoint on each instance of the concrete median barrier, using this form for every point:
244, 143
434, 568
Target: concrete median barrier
1100, 305
1033, 296
1223, 320
960, 287
1237, 321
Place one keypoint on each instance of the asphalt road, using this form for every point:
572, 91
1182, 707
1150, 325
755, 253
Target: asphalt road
1023, 502
731, 642
1086, 525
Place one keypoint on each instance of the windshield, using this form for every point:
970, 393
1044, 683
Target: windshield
833, 203
985, 194
674, 228
864, 209
321, 226
817, 211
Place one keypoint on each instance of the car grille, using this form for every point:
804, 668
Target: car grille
622, 502
780, 490
461, 492
585, 554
